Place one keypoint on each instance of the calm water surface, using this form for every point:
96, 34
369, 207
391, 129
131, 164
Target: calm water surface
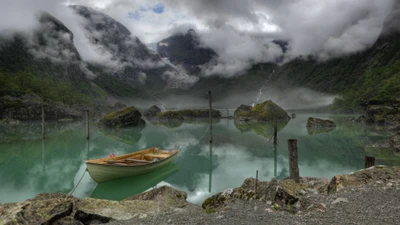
29, 166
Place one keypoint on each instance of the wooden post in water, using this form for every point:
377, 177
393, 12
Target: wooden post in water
293, 160
275, 132
255, 189
275, 159
43, 127
211, 139
87, 124
369, 161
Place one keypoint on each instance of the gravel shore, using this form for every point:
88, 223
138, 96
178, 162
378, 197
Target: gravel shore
377, 203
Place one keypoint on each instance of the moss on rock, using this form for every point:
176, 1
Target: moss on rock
128, 117
266, 111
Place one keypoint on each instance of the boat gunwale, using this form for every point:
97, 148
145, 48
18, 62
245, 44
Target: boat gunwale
133, 165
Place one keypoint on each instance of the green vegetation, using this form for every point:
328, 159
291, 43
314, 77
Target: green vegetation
379, 85
26, 81
266, 111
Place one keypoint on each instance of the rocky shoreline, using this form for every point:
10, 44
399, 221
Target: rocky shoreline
369, 196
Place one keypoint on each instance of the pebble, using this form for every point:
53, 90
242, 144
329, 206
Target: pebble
255, 208
269, 203
143, 216
321, 206
302, 192
220, 217
268, 210
389, 185
169, 221
310, 207
338, 200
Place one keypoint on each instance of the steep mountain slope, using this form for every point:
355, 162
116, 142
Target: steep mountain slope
185, 50
46, 55
131, 66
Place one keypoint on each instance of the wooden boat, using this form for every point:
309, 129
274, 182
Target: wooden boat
132, 164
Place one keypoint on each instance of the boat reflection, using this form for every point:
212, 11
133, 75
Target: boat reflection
123, 188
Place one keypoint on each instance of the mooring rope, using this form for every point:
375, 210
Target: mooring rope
71, 192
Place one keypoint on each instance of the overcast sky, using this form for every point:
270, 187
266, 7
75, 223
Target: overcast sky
240, 31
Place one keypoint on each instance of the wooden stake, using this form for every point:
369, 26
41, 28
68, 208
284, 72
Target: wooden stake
293, 160
255, 191
210, 114
87, 124
211, 139
275, 132
369, 161
275, 159
43, 126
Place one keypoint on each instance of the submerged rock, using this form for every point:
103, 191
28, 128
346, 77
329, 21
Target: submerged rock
125, 118
152, 111
266, 111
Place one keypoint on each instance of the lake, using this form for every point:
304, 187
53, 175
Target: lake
30, 165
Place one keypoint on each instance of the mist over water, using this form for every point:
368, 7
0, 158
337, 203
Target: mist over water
297, 98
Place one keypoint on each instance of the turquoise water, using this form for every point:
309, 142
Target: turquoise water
29, 166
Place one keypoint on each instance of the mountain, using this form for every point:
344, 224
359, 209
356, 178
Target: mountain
185, 50
44, 62
132, 67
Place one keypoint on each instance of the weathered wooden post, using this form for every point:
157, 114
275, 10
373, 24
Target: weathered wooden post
255, 189
211, 139
369, 161
43, 126
87, 124
293, 160
275, 132
275, 159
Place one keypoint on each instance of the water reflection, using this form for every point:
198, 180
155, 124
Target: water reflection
29, 166
263, 129
124, 188
130, 136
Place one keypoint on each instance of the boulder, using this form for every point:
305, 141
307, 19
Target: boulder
283, 194
266, 111
125, 118
152, 111
242, 108
166, 195
362, 177
57, 208
320, 123
380, 114
43, 209
170, 116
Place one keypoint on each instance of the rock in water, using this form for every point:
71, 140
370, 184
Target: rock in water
152, 112
320, 123
242, 108
125, 118
266, 111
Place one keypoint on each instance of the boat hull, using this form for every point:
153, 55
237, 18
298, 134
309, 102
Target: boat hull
103, 173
